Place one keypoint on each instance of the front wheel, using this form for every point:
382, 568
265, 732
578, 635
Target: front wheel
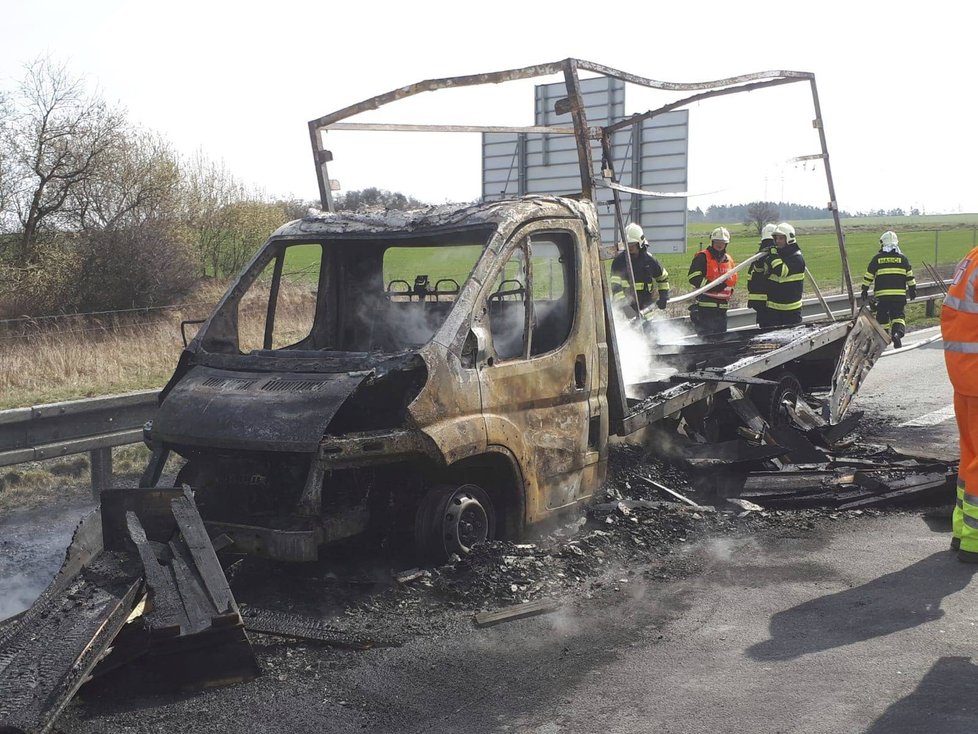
452, 520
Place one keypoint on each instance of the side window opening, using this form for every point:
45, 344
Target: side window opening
531, 303
507, 304
554, 290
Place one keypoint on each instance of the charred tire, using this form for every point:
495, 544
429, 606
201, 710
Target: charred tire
770, 400
453, 519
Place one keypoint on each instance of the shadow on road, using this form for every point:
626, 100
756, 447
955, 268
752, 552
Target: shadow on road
945, 702
888, 604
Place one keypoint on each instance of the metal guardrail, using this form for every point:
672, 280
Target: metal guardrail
92, 425
95, 425
812, 310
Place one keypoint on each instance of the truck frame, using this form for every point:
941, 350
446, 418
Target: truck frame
456, 375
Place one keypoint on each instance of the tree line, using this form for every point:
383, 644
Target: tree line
99, 213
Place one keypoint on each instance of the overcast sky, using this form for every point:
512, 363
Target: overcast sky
240, 81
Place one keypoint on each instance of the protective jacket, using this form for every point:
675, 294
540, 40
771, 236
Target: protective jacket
889, 274
650, 276
959, 327
707, 266
785, 278
757, 282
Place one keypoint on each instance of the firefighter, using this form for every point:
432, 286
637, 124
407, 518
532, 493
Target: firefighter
650, 276
756, 293
784, 279
890, 275
959, 328
709, 312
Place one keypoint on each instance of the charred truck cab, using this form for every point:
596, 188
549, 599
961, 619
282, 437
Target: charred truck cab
447, 366
450, 374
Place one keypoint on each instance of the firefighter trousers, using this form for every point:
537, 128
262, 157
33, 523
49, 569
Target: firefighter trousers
890, 312
965, 519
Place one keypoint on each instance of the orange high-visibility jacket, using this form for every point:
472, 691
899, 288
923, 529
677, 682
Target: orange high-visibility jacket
959, 327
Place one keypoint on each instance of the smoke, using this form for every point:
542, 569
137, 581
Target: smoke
18, 592
640, 346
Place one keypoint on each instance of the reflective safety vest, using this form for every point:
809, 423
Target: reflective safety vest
716, 269
713, 269
959, 327
890, 274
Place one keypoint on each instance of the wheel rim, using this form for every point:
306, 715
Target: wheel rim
465, 522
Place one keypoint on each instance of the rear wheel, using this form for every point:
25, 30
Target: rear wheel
452, 520
773, 401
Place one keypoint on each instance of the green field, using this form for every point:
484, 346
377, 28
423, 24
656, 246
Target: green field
942, 239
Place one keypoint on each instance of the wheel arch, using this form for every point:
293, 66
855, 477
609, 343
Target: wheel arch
498, 472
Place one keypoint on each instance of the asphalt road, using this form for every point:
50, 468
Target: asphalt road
859, 624
909, 401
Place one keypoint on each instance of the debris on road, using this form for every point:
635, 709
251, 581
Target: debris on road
518, 611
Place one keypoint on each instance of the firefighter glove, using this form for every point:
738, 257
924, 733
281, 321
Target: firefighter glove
912, 292
663, 299
864, 296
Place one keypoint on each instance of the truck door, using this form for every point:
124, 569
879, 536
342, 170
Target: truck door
538, 363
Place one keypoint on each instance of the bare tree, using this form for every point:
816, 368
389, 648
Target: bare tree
138, 180
209, 190
760, 213
56, 140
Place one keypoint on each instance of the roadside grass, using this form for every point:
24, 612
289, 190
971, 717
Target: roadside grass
46, 482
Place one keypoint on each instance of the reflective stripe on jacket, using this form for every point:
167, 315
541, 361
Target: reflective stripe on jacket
959, 327
890, 274
785, 278
706, 268
650, 276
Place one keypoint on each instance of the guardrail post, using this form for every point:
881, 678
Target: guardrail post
101, 460
930, 311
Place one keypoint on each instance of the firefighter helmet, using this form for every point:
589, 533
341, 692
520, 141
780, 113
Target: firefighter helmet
889, 239
787, 230
720, 234
767, 233
634, 233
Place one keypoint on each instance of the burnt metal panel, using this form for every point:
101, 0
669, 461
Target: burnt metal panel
195, 412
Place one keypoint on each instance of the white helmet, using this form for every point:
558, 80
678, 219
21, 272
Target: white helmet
634, 233
721, 234
889, 239
787, 230
768, 232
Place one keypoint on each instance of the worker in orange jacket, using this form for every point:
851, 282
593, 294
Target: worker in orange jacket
959, 328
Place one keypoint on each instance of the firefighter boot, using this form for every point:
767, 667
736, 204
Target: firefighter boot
955, 544
967, 556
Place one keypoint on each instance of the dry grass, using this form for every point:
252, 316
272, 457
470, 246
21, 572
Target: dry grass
67, 359
48, 482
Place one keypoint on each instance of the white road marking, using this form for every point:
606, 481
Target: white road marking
931, 419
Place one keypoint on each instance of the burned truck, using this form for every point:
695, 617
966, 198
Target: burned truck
446, 375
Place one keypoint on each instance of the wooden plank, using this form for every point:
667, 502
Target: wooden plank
902, 493
787, 480
798, 449
205, 559
197, 604
728, 452
519, 611
167, 616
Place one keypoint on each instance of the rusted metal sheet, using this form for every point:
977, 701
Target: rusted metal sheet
863, 346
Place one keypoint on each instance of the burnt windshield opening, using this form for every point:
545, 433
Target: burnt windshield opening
382, 294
